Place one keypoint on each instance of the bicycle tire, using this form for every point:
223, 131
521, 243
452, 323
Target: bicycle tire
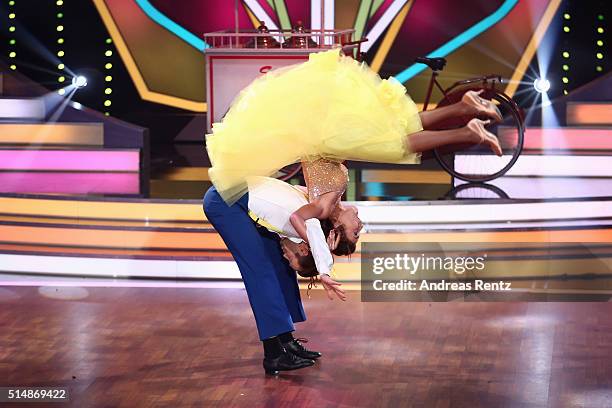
289, 172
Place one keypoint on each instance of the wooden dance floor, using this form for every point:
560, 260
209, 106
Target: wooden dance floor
176, 347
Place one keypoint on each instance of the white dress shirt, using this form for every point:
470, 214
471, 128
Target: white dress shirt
273, 201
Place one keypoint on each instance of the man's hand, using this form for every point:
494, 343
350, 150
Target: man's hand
332, 288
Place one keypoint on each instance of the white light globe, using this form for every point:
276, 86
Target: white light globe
79, 81
542, 85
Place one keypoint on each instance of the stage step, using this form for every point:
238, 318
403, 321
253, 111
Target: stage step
32, 182
541, 188
79, 134
563, 138
550, 165
30, 109
589, 113
75, 159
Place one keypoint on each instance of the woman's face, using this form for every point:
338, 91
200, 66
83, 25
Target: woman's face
352, 224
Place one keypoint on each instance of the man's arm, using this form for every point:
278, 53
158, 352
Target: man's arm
324, 261
318, 247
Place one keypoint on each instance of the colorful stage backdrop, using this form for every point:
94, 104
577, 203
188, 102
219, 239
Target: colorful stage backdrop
162, 44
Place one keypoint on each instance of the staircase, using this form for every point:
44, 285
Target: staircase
73, 151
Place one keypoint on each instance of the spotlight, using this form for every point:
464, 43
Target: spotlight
542, 85
79, 81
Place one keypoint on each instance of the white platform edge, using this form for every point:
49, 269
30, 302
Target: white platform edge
118, 267
22, 108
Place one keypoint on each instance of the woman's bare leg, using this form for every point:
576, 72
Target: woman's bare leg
471, 105
431, 118
473, 133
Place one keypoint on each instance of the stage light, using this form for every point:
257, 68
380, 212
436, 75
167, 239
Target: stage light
109, 41
59, 2
565, 80
566, 16
108, 91
12, 16
598, 68
12, 41
600, 43
61, 91
13, 67
107, 103
108, 53
599, 55
77, 105
600, 17
12, 3
565, 67
60, 53
542, 85
79, 81
12, 29
60, 15
108, 78
61, 79
566, 29
566, 54
60, 28
600, 30
108, 65
12, 54
60, 40
60, 66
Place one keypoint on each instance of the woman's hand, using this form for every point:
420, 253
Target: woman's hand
332, 288
333, 240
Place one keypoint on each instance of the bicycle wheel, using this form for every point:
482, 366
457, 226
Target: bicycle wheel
477, 163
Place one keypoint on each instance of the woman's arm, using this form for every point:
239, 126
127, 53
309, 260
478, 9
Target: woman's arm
321, 209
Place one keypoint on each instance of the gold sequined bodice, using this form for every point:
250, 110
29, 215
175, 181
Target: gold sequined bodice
323, 176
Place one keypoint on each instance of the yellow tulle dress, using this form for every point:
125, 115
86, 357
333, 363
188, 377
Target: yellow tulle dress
330, 106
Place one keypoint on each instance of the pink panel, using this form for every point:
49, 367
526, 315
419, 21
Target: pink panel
70, 160
566, 138
69, 183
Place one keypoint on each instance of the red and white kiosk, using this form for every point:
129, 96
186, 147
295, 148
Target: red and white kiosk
235, 58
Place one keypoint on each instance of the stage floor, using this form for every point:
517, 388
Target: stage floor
130, 347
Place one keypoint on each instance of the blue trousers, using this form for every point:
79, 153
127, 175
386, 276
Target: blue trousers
270, 282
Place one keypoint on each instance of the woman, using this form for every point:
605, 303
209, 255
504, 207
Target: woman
334, 108
327, 179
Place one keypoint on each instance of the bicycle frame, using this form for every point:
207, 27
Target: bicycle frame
487, 81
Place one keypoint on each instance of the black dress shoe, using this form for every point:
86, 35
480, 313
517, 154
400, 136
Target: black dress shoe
295, 347
285, 362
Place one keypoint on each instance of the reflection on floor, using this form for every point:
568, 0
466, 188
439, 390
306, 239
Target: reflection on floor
199, 347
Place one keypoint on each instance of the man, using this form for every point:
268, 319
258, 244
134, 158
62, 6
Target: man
268, 277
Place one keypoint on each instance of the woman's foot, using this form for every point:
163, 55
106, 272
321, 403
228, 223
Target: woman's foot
481, 106
482, 135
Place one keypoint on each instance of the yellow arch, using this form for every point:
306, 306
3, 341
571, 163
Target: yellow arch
139, 82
